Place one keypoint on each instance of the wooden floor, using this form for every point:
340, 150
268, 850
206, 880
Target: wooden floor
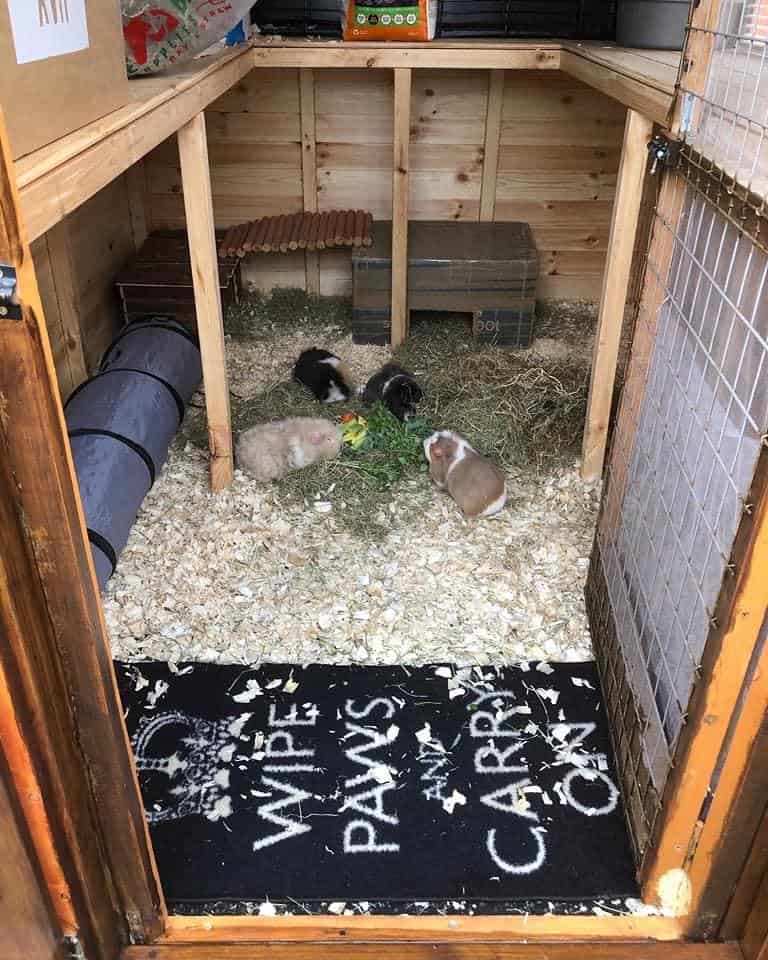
434, 951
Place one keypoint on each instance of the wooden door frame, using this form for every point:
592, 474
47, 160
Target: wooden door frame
711, 802
29, 926
64, 739
63, 735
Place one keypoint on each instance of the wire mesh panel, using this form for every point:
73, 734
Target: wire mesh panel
726, 120
680, 471
694, 408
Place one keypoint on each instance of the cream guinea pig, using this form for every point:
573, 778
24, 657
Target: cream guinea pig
269, 451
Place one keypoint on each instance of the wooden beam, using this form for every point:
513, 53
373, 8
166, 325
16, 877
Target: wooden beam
198, 205
62, 725
644, 98
492, 140
639, 950
309, 168
402, 136
392, 56
626, 208
399, 929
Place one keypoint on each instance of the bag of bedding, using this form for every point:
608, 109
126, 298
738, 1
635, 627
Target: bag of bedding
164, 33
390, 20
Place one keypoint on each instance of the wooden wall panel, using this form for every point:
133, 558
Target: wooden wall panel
77, 261
354, 106
102, 241
53, 316
560, 147
354, 141
558, 158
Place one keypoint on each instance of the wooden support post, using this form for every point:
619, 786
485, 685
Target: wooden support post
309, 168
402, 136
62, 733
626, 208
492, 141
198, 206
136, 184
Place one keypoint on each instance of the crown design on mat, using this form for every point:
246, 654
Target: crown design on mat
198, 770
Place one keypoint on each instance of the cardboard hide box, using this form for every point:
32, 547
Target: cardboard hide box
62, 65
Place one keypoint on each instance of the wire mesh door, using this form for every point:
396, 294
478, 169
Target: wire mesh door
694, 411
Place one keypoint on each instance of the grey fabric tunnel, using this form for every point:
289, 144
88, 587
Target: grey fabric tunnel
121, 422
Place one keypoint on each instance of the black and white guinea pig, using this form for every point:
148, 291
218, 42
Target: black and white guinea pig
324, 374
396, 388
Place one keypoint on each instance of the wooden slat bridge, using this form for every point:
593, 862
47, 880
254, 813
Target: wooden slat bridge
299, 231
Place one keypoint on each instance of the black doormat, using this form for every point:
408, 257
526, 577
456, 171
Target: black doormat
378, 783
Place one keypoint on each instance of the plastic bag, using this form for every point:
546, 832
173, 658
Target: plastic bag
163, 33
380, 20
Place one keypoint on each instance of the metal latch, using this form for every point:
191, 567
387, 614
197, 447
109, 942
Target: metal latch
73, 949
9, 304
663, 151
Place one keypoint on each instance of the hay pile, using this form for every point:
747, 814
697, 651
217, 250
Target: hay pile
523, 408
519, 407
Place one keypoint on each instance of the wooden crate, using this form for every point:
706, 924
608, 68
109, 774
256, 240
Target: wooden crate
158, 280
486, 269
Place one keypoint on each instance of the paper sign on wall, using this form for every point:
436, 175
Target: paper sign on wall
47, 28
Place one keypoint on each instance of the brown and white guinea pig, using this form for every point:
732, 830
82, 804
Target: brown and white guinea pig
324, 374
270, 451
475, 482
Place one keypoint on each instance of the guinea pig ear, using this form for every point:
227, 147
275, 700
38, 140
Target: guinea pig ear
316, 438
436, 451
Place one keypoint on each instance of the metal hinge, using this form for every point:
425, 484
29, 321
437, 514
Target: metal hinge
663, 151
9, 306
73, 949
